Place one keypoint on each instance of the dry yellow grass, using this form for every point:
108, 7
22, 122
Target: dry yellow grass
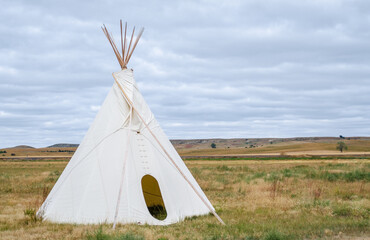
289, 198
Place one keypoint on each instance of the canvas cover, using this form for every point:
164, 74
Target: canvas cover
102, 181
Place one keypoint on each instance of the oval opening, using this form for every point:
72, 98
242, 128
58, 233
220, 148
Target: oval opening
153, 197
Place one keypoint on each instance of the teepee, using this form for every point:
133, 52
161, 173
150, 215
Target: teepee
125, 169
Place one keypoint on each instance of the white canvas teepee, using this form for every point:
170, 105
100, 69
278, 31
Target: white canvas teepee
125, 165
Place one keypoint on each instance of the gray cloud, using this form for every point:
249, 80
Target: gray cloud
206, 68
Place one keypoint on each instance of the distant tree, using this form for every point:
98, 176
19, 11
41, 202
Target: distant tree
213, 145
341, 146
13, 154
341, 137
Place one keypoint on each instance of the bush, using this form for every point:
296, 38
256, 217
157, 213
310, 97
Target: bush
31, 215
341, 146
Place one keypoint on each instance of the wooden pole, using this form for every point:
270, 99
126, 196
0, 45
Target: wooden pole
133, 48
126, 53
124, 44
129, 46
123, 51
115, 50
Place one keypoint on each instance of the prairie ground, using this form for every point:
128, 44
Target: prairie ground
358, 147
223, 147
257, 199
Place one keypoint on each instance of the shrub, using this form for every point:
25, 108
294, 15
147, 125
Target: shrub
341, 146
31, 215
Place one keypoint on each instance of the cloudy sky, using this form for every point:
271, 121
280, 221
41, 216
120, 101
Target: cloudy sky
206, 68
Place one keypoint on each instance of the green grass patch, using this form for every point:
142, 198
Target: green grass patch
100, 235
276, 235
311, 172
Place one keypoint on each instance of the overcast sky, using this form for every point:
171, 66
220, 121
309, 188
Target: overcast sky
207, 69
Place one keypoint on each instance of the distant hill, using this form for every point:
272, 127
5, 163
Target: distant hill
233, 147
22, 146
255, 142
237, 142
248, 143
63, 145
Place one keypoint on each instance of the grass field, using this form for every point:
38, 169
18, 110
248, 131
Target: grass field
275, 147
257, 199
292, 147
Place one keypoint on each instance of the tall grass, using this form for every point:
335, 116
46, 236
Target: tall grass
257, 200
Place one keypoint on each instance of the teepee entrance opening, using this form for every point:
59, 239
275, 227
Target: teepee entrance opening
153, 197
